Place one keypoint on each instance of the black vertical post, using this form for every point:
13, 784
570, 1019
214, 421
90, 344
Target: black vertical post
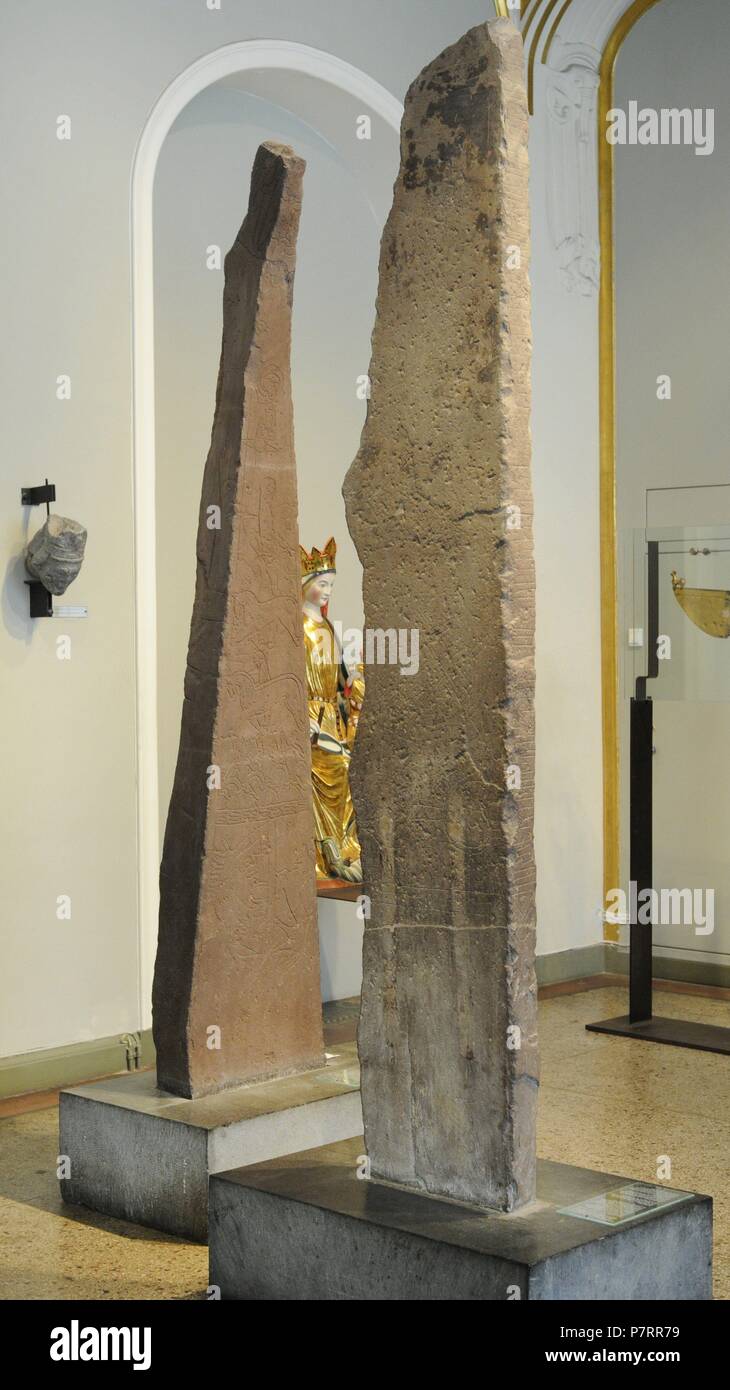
640, 1023
641, 866
640, 856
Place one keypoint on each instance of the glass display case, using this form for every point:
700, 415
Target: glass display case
673, 903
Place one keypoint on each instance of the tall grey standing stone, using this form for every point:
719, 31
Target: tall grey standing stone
236, 994
439, 506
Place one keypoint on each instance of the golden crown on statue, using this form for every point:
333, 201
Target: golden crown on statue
318, 561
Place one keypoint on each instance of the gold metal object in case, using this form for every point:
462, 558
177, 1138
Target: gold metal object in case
708, 609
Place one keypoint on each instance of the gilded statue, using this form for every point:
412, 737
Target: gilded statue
335, 696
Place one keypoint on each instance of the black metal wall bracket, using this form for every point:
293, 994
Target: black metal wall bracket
41, 602
36, 496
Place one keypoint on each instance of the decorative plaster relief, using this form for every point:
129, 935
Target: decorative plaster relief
572, 176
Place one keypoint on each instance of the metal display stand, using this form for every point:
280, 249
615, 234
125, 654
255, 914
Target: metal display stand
640, 1021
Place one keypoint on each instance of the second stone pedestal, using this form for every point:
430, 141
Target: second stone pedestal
143, 1155
323, 1232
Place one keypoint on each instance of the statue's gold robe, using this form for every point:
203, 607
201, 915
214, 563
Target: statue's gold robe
328, 704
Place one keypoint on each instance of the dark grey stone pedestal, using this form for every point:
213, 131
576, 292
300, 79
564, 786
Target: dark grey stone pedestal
307, 1227
144, 1155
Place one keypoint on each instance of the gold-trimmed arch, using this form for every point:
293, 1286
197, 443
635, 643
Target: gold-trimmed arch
607, 457
543, 11
554, 28
548, 8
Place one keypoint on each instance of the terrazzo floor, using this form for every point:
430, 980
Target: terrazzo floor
609, 1103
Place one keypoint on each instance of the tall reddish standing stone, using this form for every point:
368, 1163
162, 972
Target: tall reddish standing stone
439, 505
238, 947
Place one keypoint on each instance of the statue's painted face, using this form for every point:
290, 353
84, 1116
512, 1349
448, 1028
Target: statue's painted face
318, 591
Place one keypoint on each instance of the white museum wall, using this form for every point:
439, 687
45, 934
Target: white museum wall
69, 728
673, 291
200, 198
569, 768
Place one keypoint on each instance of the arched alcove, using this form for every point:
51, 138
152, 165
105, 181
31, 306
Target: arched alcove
252, 59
